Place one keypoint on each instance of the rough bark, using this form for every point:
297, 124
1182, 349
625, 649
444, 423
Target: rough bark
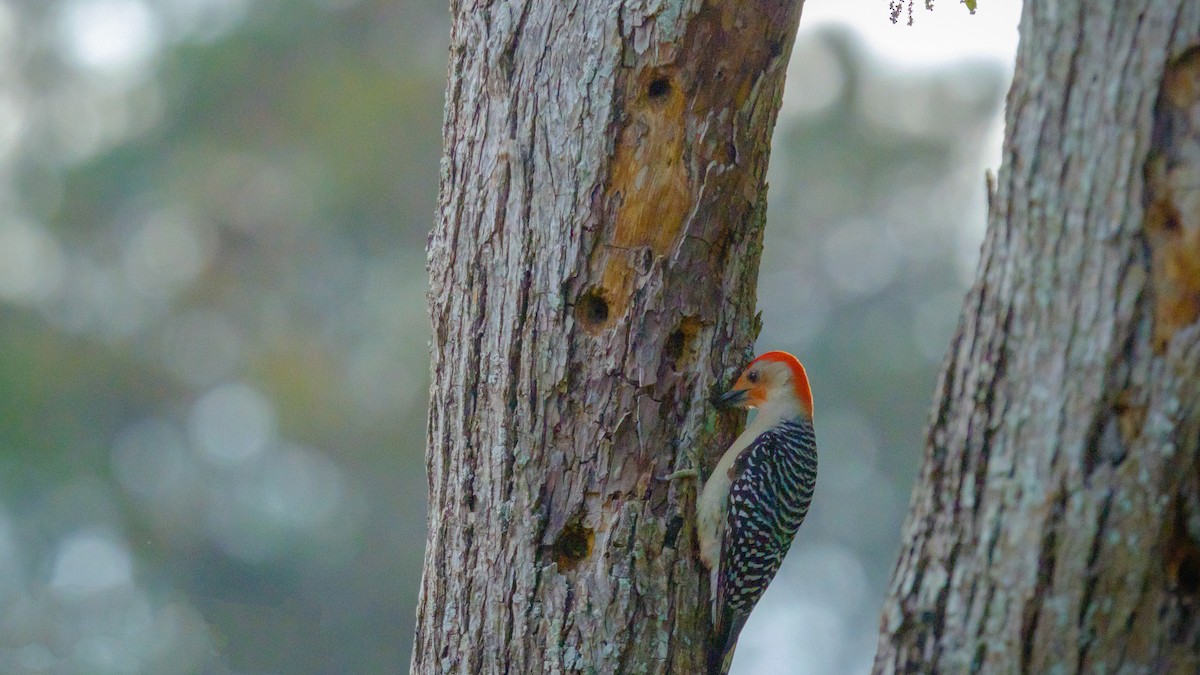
592, 271
1056, 524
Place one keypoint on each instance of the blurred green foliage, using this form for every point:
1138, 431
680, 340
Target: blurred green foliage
214, 373
239, 199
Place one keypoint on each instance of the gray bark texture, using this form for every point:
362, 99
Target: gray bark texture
1056, 524
593, 271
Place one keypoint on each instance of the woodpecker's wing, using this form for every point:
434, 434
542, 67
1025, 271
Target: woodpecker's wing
773, 482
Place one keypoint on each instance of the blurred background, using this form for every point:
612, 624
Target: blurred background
213, 330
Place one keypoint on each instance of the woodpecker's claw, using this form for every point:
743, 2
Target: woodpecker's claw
682, 473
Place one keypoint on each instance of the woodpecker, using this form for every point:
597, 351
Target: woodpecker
757, 496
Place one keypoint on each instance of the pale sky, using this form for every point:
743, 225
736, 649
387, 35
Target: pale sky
948, 33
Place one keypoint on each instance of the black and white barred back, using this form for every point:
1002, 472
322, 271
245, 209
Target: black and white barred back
773, 481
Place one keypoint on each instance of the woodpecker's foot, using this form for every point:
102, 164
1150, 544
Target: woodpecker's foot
683, 473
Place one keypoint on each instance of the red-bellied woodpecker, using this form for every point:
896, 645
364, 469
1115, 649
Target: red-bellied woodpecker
757, 495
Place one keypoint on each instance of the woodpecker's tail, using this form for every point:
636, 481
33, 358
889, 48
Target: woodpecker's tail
723, 642
719, 662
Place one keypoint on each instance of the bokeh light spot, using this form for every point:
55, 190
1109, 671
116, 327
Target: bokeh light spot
302, 487
12, 121
815, 79
90, 562
231, 424
167, 252
110, 35
31, 263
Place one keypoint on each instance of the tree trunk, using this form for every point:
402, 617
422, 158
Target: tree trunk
1056, 525
593, 270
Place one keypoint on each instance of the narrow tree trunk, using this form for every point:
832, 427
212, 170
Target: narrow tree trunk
1056, 526
593, 270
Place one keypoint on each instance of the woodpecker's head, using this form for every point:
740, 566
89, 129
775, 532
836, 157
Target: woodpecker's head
776, 377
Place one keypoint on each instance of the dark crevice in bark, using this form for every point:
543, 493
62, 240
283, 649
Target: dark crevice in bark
977, 661
467, 624
1098, 443
1075, 44
516, 375
1130, 620
568, 608
510, 608
1086, 617
514, 40
997, 357
1047, 558
918, 576
937, 614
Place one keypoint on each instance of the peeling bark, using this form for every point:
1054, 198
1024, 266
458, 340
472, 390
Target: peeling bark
592, 272
1056, 524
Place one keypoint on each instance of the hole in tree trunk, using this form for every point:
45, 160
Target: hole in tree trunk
658, 88
1182, 554
672, 534
1188, 575
574, 544
674, 347
592, 310
679, 351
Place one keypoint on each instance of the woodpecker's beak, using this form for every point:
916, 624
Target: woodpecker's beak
734, 398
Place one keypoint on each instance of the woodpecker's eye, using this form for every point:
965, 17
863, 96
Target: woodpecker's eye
752, 376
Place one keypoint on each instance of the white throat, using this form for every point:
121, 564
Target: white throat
773, 411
